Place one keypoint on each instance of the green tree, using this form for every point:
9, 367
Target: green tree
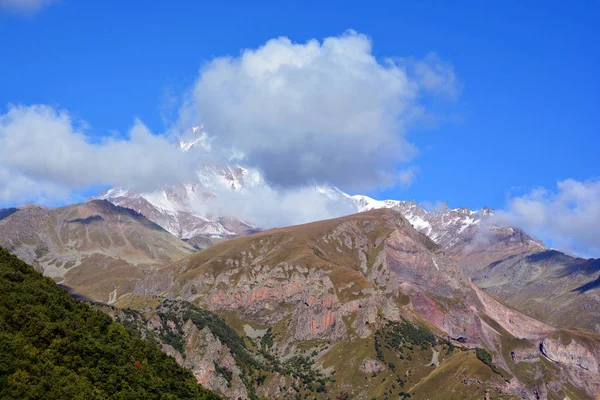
55, 347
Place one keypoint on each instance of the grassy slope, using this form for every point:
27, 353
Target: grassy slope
55, 347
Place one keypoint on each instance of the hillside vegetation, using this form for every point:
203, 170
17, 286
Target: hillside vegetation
55, 347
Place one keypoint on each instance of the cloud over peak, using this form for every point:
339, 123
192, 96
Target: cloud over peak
301, 114
568, 216
317, 112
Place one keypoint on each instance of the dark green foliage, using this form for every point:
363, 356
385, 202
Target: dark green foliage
173, 337
485, 357
227, 335
225, 372
321, 388
266, 342
55, 347
378, 348
402, 335
301, 367
405, 333
260, 379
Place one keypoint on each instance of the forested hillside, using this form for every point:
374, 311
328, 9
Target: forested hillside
55, 347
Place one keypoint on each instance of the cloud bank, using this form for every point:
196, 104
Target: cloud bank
567, 216
26, 7
268, 207
45, 155
317, 112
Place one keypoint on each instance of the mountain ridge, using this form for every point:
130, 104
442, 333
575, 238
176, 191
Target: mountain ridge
339, 280
95, 248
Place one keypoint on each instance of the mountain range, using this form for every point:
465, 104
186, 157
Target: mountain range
393, 301
504, 260
332, 293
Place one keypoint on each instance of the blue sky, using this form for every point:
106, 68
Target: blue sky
525, 116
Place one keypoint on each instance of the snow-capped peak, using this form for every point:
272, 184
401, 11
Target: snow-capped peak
199, 138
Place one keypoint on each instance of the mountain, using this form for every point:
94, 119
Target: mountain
549, 285
55, 347
462, 232
368, 307
180, 209
183, 211
96, 249
483, 246
506, 262
170, 208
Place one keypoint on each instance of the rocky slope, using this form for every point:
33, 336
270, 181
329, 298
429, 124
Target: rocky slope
330, 290
96, 249
170, 208
473, 236
181, 209
506, 262
549, 285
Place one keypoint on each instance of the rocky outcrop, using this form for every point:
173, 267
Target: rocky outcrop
369, 366
573, 353
528, 354
203, 353
200, 350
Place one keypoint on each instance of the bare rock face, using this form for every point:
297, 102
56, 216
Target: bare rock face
200, 350
571, 354
337, 268
369, 366
203, 353
517, 324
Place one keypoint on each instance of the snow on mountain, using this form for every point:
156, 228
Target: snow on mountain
171, 207
457, 230
181, 209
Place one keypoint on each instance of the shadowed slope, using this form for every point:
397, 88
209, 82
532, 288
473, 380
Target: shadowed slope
549, 285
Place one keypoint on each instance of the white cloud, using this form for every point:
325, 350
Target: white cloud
324, 112
27, 7
44, 155
267, 207
407, 177
568, 216
435, 75
316, 112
